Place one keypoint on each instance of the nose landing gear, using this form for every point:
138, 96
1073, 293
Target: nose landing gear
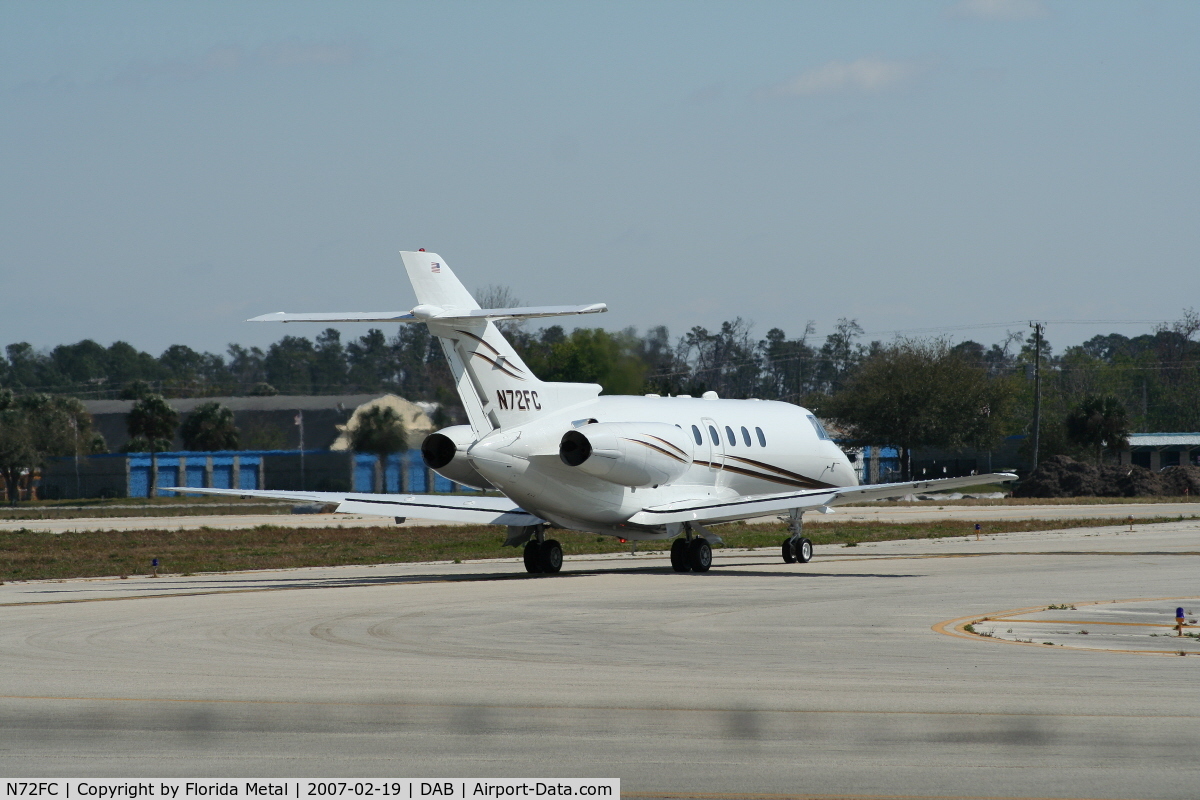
796, 549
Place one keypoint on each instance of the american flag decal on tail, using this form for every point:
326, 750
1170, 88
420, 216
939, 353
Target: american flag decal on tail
435, 267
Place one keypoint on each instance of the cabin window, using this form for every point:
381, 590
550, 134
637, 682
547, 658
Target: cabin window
729, 435
762, 438
696, 433
713, 433
745, 436
821, 433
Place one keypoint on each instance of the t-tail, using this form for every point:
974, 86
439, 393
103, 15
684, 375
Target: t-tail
497, 389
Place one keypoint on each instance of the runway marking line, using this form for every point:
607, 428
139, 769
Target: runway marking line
956, 627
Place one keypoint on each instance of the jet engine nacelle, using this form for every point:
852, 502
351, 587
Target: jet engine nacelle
445, 452
628, 453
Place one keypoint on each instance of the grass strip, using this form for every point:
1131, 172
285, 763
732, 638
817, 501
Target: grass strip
34, 555
142, 507
257, 509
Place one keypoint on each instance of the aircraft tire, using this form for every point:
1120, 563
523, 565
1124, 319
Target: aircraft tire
789, 552
552, 556
700, 555
804, 551
533, 557
679, 556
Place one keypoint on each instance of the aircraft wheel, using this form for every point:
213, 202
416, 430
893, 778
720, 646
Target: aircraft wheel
552, 556
679, 556
789, 551
533, 557
700, 555
804, 551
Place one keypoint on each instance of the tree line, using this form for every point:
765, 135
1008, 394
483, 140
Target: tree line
906, 392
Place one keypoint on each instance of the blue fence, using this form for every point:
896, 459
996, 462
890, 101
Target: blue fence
409, 465
191, 468
192, 473
129, 474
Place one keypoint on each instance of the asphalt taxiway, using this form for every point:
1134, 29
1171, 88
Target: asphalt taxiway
848, 676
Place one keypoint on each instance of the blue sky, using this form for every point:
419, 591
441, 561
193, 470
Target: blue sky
169, 169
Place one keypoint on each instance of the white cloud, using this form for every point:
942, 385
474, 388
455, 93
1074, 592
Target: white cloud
863, 75
998, 9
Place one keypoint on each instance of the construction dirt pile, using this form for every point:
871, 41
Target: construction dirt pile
1061, 476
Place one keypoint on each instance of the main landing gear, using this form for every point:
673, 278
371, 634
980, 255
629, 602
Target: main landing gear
796, 549
691, 554
542, 555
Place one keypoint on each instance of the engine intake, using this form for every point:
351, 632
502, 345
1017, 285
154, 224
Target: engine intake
628, 453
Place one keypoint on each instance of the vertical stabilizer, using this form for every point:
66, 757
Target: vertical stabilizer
435, 284
496, 387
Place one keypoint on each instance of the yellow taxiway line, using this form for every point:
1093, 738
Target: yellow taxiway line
956, 627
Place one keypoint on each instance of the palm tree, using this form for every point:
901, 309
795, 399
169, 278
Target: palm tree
1099, 422
379, 431
210, 427
151, 423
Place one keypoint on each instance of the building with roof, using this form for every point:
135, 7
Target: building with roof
1156, 451
269, 423
277, 453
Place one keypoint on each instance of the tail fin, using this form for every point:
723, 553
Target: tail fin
496, 387
435, 284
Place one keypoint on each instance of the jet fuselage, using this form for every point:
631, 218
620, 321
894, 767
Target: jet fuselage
732, 448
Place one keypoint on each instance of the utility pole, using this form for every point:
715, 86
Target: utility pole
1037, 388
300, 422
75, 428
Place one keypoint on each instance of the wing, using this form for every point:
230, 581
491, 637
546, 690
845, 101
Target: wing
728, 510
442, 508
876, 491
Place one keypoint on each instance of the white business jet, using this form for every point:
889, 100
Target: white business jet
563, 456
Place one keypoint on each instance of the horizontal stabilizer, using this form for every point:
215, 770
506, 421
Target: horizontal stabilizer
426, 313
533, 311
347, 316
477, 510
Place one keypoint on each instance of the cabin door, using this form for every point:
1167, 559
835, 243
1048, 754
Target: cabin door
716, 446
